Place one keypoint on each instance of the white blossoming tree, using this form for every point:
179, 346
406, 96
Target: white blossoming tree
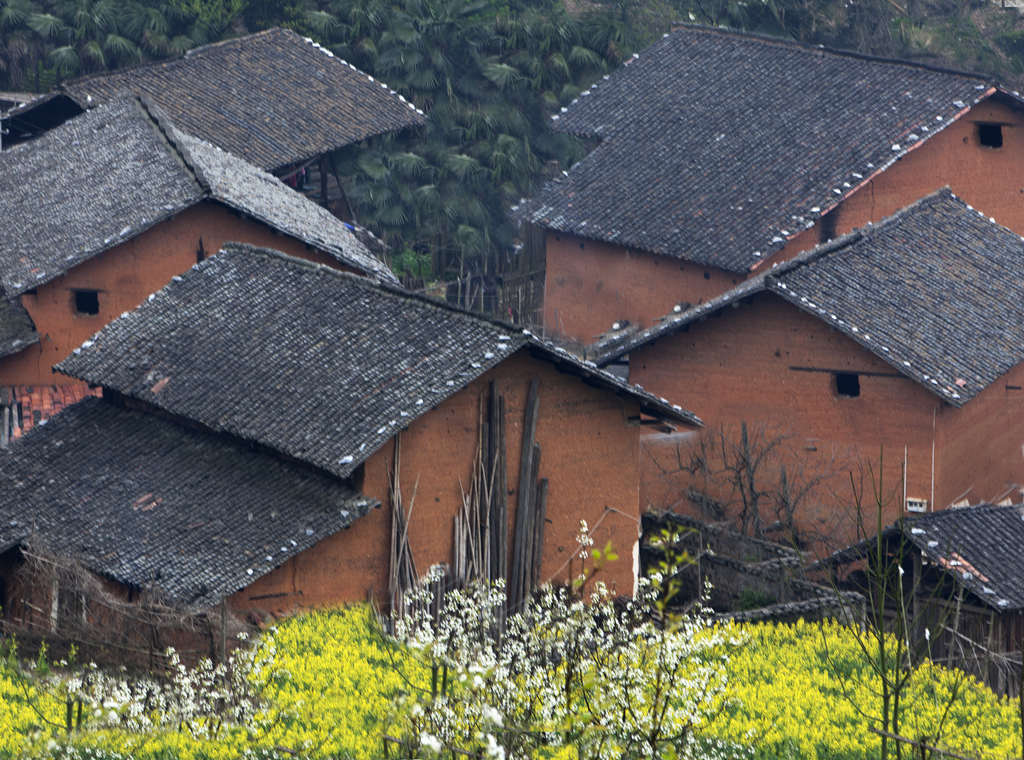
574, 672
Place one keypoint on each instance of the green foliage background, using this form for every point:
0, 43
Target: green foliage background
489, 73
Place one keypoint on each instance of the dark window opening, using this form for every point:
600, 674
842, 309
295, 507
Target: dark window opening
848, 384
707, 275
358, 476
87, 302
990, 135
827, 229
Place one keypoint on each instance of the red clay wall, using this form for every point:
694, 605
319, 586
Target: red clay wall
990, 179
589, 285
589, 454
751, 364
125, 275
981, 445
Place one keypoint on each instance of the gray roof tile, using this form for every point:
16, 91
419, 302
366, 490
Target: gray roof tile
186, 514
273, 98
113, 172
934, 290
320, 365
17, 331
716, 146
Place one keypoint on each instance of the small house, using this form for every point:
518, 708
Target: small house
275, 99
962, 583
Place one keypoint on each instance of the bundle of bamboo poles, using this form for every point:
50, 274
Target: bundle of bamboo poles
402, 574
531, 507
481, 535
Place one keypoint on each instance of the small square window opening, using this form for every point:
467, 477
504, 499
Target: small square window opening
990, 135
848, 384
87, 301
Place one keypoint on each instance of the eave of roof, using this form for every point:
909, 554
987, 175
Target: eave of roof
774, 281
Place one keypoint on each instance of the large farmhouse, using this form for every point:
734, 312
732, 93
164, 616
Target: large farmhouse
904, 338
720, 153
259, 404
107, 208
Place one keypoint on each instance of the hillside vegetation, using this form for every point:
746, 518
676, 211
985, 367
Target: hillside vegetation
489, 72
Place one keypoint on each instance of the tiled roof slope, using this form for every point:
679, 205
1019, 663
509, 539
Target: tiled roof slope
273, 98
111, 173
934, 290
263, 196
320, 365
716, 146
980, 545
152, 504
17, 331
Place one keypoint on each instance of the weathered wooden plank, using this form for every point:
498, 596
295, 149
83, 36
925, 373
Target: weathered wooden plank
539, 519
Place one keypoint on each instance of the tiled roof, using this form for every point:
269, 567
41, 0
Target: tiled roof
273, 98
934, 290
150, 503
17, 331
320, 365
979, 546
262, 196
113, 172
716, 146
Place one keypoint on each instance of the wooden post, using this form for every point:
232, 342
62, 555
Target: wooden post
224, 630
539, 516
517, 572
323, 182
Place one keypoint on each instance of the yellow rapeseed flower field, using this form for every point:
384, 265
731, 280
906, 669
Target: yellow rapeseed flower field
797, 691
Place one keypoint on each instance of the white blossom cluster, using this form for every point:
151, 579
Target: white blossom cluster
201, 699
573, 670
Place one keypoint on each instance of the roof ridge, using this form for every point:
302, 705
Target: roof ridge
556, 353
867, 230
166, 128
821, 48
375, 284
223, 43
62, 88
